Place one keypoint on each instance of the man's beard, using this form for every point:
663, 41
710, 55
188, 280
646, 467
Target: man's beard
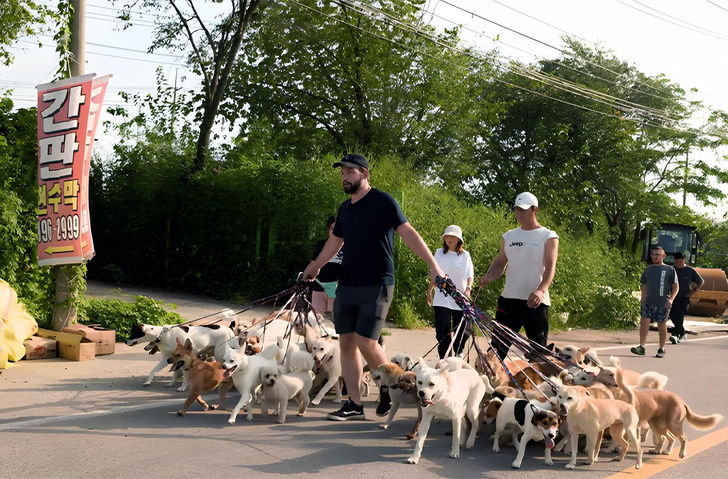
352, 188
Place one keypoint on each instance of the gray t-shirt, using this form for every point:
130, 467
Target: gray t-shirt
659, 281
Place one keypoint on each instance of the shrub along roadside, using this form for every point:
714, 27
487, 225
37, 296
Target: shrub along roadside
122, 316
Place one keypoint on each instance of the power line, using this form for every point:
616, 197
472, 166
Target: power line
715, 4
720, 35
681, 25
555, 82
46, 45
479, 58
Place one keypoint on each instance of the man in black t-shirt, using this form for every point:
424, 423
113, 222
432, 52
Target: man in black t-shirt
365, 228
686, 278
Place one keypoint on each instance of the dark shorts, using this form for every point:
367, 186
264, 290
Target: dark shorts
362, 309
655, 313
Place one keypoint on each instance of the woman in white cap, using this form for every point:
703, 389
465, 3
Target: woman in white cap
530, 252
456, 263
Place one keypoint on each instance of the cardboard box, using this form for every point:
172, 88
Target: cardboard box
40, 348
71, 346
105, 339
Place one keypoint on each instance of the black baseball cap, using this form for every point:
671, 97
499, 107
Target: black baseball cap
353, 160
678, 255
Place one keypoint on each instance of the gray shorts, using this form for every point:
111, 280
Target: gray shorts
362, 309
655, 313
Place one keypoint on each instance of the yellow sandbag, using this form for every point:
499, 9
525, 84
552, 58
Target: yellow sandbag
16, 325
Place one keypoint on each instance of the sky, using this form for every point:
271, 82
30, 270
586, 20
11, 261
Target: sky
685, 41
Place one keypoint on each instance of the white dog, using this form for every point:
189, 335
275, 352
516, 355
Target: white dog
327, 356
447, 394
164, 338
279, 387
245, 371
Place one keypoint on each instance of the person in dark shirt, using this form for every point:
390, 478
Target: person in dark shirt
323, 290
686, 278
365, 228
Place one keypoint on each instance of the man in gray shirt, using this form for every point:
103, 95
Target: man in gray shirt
659, 288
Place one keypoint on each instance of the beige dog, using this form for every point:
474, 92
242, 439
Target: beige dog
278, 387
665, 412
591, 416
448, 395
390, 374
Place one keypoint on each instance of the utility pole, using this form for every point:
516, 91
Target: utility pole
65, 311
685, 177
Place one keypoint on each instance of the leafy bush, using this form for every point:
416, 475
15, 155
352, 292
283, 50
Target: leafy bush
122, 315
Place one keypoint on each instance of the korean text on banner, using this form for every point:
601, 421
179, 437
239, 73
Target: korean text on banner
68, 114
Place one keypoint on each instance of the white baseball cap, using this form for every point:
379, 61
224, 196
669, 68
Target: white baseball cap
525, 201
453, 230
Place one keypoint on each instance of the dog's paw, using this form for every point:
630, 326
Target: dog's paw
337, 400
411, 436
496, 448
169, 385
231, 421
616, 459
413, 460
146, 383
516, 465
383, 426
180, 413
315, 402
181, 389
571, 466
454, 455
549, 462
213, 407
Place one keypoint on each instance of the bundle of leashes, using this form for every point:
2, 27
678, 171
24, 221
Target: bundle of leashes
492, 331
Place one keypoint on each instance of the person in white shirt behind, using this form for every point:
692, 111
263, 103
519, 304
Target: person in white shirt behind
456, 263
530, 252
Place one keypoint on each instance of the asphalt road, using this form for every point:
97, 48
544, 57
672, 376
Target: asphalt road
94, 420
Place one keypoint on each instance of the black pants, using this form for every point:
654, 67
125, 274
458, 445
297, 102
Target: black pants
677, 315
447, 321
515, 314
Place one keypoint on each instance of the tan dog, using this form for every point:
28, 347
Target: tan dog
198, 375
391, 375
591, 416
664, 412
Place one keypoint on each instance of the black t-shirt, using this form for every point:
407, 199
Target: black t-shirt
685, 277
367, 227
330, 271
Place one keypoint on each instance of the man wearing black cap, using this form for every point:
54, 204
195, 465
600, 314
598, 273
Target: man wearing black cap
365, 228
686, 277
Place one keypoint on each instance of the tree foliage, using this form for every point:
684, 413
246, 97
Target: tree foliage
19, 18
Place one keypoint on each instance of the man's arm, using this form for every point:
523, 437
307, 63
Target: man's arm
497, 266
332, 246
673, 293
551, 253
414, 241
698, 284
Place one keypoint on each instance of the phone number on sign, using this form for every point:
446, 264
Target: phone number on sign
67, 228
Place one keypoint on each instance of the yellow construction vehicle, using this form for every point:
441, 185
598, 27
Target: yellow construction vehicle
712, 299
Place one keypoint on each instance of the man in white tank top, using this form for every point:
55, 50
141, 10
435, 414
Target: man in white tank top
530, 252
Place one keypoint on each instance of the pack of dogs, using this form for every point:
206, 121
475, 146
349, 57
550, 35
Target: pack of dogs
574, 394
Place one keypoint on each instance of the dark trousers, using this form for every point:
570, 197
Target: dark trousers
677, 315
515, 314
447, 321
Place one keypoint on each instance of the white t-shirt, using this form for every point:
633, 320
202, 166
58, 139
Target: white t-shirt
525, 252
459, 267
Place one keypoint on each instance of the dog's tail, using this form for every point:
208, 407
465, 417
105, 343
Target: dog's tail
652, 380
627, 390
702, 423
615, 362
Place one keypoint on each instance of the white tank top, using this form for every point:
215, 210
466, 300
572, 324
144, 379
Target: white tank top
525, 252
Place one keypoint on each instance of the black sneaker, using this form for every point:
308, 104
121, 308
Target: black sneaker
385, 402
660, 353
638, 350
349, 410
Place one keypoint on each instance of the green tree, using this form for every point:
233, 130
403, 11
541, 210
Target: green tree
336, 77
19, 18
213, 48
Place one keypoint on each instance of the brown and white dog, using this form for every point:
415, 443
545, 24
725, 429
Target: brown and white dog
198, 375
391, 375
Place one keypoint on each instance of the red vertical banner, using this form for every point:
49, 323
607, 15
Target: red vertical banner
68, 114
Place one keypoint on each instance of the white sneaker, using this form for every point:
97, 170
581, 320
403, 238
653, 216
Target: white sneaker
682, 338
